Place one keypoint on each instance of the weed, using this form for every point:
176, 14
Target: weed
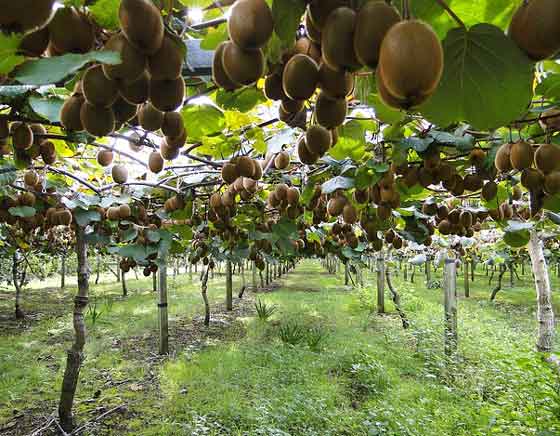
292, 333
264, 311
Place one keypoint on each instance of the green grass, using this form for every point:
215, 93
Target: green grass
350, 372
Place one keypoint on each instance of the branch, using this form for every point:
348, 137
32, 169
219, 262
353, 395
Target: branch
451, 13
72, 176
152, 185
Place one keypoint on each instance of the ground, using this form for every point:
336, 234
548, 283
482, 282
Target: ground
323, 363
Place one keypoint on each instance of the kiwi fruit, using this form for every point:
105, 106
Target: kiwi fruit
168, 152
425, 177
172, 124
384, 212
300, 77
124, 112
337, 40
477, 157
411, 177
167, 95
307, 47
104, 157
34, 44
142, 25
219, 75
292, 106
502, 161
167, 62
319, 10
506, 211
298, 119
229, 173
119, 174
250, 23
547, 158
124, 211
473, 182
113, 213
489, 191
48, 152
71, 32
336, 205
242, 67
349, 214
329, 112
155, 162
97, 120
313, 32
292, 196
550, 119
273, 87
245, 166
282, 160
133, 62
24, 15
392, 101
410, 60
70, 113
318, 140
97, 89
534, 28
521, 155
373, 21
31, 178
149, 117
552, 182
136, 91
336, 84
532, 179
306, 156
4, 127
516, 193
22, 136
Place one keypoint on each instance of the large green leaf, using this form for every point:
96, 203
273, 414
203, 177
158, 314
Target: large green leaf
487, 80
106, 13
287, 16
202, 120
242, 100
47, 107
53, 70
22, 211
9, 58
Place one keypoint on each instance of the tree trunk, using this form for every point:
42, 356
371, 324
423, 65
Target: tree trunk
511, 275
17, 285
97, 269
466, 279
204, 289
498, 287
428, 272
545, 313
163, 323
118, 271
229, 286
75, 355
396, 299
380, 283
154, 282
254, 272
473, 268
123, 281
450, 306
63, 271
346, 274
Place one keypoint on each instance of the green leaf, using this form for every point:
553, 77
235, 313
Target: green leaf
84, 217
242, 100
287, 16
337, 182
47, 107
383, 112
53, 70
550, 87
22, 211
351, 141
202, 120
106, 13
9, 58
214, 37
487, 80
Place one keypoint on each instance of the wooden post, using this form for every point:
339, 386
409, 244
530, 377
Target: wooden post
63, 271
428, 272
154, 282
75, 354
545, 313
229, 286
18, 280
380, 283
450, 306
254, 268
466, 278
123, 281
163, 324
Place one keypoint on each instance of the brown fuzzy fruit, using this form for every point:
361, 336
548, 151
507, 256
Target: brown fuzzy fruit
411, 60
502, 160
104, 157
23, 15
319, 10
336, 84
547, 158
150, 118
137, 91
337, 40
97, 88
155, 162
532, 179
167, 62
392, 101
300, 77
22, 136
167, 95
119, 174
373, 21
534, 28
273, 87
124, 211
250, 24
97, 120
330, 113
168, 151
318, 140
305, 156
313, 32
552, 183
142, 24
113, 213
307, 47
473, 182
229, 173
521, 155
172, 124
34, 44
31, 178
489, 191
124, 111
292, 196
349, 214
282, 160
71, 32
133, 62
477, 157
245, 166
219, 75
335, 206
242, 67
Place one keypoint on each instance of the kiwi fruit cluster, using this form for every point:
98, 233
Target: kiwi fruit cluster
286, 200
28, 142
240, 60
534, 28
119, 173
317, 141
58, 216
455, 221
117, 213
174, 203
241, 167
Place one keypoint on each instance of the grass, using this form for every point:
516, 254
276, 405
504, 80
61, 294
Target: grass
323, 363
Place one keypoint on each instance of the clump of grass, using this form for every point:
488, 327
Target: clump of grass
315, 338
292, 333
264, 311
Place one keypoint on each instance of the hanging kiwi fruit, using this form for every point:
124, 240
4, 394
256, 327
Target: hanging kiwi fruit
250, 23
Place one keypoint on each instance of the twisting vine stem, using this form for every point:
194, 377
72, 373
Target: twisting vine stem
451, 13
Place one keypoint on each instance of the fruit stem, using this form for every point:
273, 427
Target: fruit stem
451, 13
